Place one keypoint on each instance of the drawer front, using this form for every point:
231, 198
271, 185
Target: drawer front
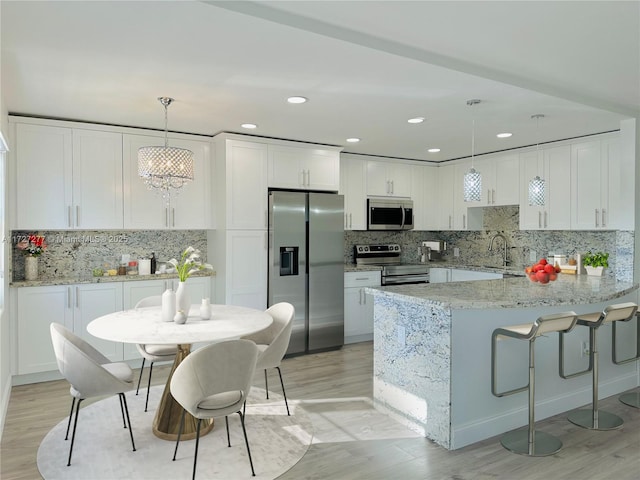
361, 279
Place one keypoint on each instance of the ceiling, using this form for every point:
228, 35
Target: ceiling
365, 66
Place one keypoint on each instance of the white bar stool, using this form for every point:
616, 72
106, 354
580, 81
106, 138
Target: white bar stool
594, 418
529, 442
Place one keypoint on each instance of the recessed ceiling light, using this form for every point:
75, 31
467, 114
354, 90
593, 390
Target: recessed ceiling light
353, 140
504, 135
433, 150
416, 120
296, 99
249, 125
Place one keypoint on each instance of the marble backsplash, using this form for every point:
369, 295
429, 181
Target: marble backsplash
473, 245
73, 254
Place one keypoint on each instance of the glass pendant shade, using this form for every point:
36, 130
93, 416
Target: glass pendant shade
536, 191
165, 169
472, 186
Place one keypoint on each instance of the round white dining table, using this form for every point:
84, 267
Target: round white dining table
145, 326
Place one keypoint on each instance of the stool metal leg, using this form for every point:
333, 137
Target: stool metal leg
632, 399
529, 442
594, 419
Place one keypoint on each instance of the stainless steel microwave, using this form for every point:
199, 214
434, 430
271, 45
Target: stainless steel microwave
389, 214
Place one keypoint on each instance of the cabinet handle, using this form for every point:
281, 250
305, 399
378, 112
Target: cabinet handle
68, 297
464, 221
346, 221
545, 219
77, 297
493, 196
488, 195
597, 214
449, 222
350, 221
266, 240
360, 299
166, 216
604, 224
392, 187
539, 219
69, 220
266, 219
77, 215
173, 217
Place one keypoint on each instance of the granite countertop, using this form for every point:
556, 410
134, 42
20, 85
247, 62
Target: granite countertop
108, 279
516, 292
512, 271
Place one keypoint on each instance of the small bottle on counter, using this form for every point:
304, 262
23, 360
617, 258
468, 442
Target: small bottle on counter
153, 263
132, 269
122, 269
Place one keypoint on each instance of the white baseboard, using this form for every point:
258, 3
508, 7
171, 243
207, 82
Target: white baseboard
4, 405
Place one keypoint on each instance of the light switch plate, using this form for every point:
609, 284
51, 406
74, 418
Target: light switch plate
456, 252
533, 256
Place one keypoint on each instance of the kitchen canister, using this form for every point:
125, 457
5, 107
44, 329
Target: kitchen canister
144, 266
205, 309
168, 305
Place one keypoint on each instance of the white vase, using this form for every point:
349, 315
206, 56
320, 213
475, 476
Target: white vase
168, 305
31, 268
180, 317
594, 271
205, 309
183, 301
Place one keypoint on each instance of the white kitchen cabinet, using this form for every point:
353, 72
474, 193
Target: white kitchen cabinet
554, 166
597, 187
241, 184
358, 306
431, 214
145, 209
352, 186
388, 179
305, 168
241, 259
72, 305
67, 178
500, 180
453, 208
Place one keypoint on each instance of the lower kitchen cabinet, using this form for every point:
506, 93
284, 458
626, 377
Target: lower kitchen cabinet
358, 306
443, 275
74, 306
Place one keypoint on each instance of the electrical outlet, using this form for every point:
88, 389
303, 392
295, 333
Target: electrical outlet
456, 252
585, 349
533, 256
402, 335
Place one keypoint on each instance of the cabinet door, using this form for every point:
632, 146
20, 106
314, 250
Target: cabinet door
191, 208
285, 170
431, 198
143, 208
531, 164
322, 170
507, 180
246, 269
400, 177
586, 182
460, 221
621, 202
352, 181
97, 179
246, 165
377, 181
93, 301
419, 197
358, 315
557, 167
37, 308
458, 275
487, 168
445, 196
439, 275
43, 177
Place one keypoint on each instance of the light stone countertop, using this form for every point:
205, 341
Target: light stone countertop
517, 292
43, 282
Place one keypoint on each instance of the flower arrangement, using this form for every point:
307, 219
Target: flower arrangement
32, 245
189, 263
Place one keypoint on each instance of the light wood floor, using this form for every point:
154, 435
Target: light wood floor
35, 409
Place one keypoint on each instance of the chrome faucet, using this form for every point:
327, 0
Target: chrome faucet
505, 262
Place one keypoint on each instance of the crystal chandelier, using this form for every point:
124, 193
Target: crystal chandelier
165, 169
537, 184
472, 186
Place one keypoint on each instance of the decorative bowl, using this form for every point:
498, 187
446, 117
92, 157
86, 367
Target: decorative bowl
542, 272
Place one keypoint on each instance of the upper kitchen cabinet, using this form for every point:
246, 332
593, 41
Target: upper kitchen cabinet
424, 185
241, 184
599, 199
67, 178
304, 168
500, 180
453, 208
554, 166
352, 186
145, 208
388, 179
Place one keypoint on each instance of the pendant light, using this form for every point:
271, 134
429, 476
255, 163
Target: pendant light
472, 186
165, 169
537, 184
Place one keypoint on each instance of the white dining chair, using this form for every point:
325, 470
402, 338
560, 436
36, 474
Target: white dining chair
215, 381
90, 374
153, 353
273, 342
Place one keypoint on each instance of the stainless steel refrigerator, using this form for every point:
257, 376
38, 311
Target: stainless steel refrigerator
306, 266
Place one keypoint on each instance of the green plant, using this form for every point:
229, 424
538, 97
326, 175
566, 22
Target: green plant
189, 263
598, 259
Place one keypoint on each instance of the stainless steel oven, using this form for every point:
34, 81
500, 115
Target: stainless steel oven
394, 271
389, 214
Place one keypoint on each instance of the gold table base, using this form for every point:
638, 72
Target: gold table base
167, 420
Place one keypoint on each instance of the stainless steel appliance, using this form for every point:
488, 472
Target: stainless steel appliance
432, 251
389, 213
394, 272
306, 266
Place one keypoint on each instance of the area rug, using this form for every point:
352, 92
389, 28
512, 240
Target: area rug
102, 449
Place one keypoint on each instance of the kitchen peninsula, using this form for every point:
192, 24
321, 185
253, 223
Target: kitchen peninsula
432, 353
